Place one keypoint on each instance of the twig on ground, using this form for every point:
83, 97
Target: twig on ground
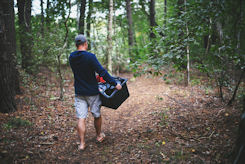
219, 112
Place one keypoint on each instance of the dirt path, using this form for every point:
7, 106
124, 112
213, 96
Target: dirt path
159, 123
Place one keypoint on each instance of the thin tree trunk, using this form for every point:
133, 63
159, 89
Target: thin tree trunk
90, 10
130, 28
59, 55
109, 37
117, 63
181, 36
8, 51
60, 75
221, 92
220, 31
152, 19
187, 51
122, 31
221, 80
207, 43
220, 85
47, 21
24, 14
82, 16
239, 53
42, 19
78, 3
209, 38
236, 88
239, 28
94, 39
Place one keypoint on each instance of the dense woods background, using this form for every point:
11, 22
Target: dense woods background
158, 37
136, 36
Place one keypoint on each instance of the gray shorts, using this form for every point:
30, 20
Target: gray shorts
83, 102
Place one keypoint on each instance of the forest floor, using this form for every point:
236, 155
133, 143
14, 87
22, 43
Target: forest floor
158, 123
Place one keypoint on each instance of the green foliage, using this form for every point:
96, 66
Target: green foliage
219, 57
241, 92
16, 123
195, 81
168, 81
159, 98
214, 38
46, 48
164, 119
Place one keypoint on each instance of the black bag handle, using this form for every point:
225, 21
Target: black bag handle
108, 86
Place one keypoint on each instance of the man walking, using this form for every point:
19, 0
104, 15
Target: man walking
84, 65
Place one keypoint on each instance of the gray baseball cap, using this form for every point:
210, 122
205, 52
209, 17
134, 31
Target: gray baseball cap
80, 39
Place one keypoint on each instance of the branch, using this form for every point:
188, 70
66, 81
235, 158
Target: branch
235, 91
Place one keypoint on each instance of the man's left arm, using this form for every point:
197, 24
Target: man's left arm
102, 72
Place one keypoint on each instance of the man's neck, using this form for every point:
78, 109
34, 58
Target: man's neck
81, 48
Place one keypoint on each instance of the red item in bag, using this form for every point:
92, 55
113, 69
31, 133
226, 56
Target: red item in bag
100, 79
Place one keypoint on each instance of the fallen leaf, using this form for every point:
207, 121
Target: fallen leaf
163, 155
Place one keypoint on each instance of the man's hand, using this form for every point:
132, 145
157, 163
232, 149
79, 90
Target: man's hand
118, 87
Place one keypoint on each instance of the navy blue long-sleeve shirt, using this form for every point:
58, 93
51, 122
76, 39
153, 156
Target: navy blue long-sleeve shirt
84, 65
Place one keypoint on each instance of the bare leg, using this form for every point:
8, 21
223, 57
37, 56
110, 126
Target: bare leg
81, 129
97, 125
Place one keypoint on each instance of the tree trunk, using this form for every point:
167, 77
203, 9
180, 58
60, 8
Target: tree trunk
59, 55
239, 28
78, 4
220, 84
90, 10
207, 39
239, 52
130, 28
220, 31
95, 39
24, 14
181, 36
109, 37
117, 53
153, 24
48, 15
152, 19
42, 19
165, 7
82, 16
61, 81
8, 51
236, 89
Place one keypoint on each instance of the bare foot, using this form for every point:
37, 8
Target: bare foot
101, 137
81, 147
